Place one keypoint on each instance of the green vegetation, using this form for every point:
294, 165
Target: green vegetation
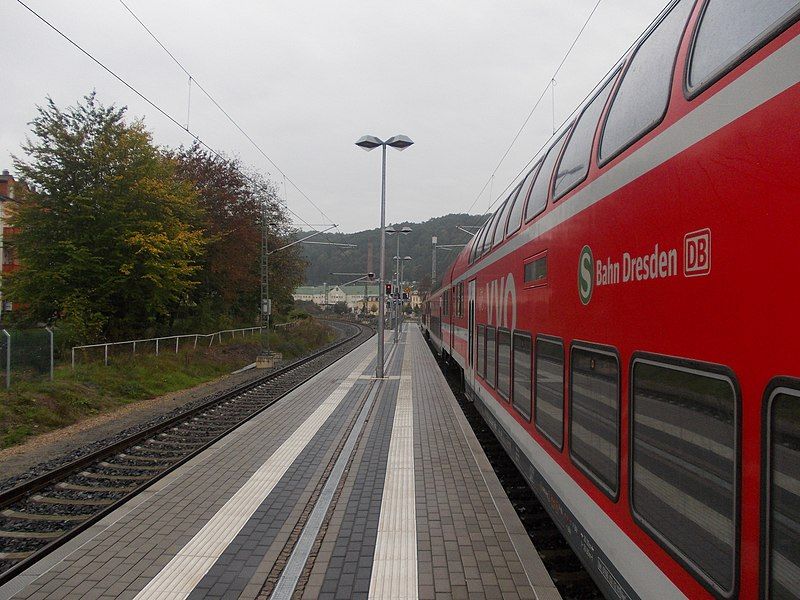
119, 238
417, 244
33, 407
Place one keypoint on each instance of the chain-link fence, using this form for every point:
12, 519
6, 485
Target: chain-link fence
26, 353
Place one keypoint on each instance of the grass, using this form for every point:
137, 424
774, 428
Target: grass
33, 407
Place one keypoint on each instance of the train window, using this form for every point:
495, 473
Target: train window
549, 378
642, 98
535, 270
504, 363
541, 187
487, 241
500, 232
730, 31
521, 392
477, 245
684, 463
515, 216
574, 165
474, 243
481, 341
491, 356
500, 224
783, 497
594, 415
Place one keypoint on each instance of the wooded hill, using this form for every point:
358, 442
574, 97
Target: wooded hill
324, 260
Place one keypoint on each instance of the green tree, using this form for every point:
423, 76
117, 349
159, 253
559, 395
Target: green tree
109, 236
232, 201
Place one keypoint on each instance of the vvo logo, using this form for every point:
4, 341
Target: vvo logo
697, 253
501, 302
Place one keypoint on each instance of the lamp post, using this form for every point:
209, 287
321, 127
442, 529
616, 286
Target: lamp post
392, 231
370, 142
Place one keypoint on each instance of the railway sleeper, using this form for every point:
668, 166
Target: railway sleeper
32, 535
114, 477
15, 514
93, 488
38, 498
15, 555
144, 457
109, 465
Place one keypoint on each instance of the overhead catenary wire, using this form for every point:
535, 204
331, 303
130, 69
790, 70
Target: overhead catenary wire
536, 104
146, 99
603, 79
193, 79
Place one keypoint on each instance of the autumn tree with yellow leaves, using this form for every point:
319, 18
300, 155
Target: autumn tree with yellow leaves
112, 238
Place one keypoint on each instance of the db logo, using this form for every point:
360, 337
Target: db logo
697, 253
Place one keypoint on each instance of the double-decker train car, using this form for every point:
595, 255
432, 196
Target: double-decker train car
627, 320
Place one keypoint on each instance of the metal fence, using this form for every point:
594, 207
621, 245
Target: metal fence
157, 345
26, 352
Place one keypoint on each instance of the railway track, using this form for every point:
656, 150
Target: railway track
42, 513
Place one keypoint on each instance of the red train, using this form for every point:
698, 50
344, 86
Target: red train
627, 321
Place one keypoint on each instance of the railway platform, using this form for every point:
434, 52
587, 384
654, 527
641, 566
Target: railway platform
348, 487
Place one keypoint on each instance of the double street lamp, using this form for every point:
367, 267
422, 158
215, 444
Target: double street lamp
370, 142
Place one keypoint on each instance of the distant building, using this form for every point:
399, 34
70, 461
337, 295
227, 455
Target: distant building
355, 296
9, 260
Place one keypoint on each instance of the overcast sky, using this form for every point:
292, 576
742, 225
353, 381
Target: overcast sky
306, 79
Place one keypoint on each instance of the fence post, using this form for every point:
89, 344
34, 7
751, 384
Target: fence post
8, 358
134, 347
73, 358
195, 342
50, 331
156, 346
176, 343
105, 354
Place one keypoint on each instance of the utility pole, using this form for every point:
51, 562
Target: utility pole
265, 359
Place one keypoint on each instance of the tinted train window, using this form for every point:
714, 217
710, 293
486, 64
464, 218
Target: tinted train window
501, 222
515, 216
594, 415
481, 341
522, 374
491, 356
487, 241
641, 100
549, 406
541, 187
731, 30
513, 201
574, 165
784, 494
478, 242
683, 487
504, 363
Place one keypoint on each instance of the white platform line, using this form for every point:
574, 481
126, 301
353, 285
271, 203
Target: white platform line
180, 576
394, 566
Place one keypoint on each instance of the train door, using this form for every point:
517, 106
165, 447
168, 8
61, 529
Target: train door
453, 314
470, 372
